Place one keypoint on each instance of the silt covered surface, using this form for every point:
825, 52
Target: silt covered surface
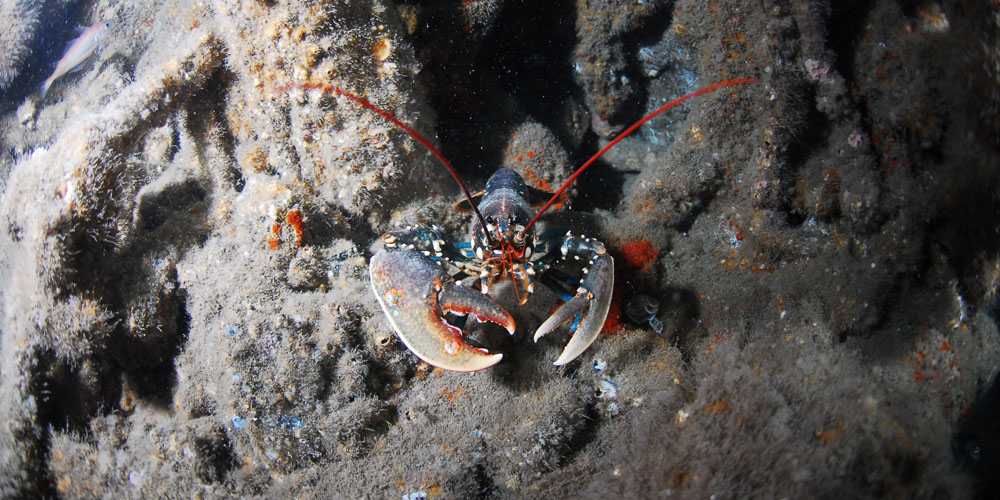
187, 222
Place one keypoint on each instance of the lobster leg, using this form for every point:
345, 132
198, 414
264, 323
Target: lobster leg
592, 299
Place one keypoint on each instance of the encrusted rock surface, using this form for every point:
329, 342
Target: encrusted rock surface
186, 223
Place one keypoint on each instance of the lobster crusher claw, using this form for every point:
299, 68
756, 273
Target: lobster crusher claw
416, 294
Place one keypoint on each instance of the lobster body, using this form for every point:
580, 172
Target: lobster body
506, 209
503, 245
410, 278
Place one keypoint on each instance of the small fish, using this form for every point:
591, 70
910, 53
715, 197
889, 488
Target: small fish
77, 53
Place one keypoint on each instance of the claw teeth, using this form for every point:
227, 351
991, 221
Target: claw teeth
461, 300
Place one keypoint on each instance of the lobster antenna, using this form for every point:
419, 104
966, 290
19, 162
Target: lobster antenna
405, 128
675, 102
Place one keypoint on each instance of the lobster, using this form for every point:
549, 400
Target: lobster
412, 283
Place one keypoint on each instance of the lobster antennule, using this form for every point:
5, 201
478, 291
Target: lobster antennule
680, 100
412, 133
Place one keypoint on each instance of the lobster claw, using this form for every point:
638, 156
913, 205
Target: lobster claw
415, 293
593, 299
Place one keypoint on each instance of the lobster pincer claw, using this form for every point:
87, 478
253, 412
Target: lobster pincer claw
415, 293
593, 300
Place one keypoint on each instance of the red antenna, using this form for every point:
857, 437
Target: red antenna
704, 90
333, 89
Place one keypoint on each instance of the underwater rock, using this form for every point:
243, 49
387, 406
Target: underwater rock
20, 19
186, 228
